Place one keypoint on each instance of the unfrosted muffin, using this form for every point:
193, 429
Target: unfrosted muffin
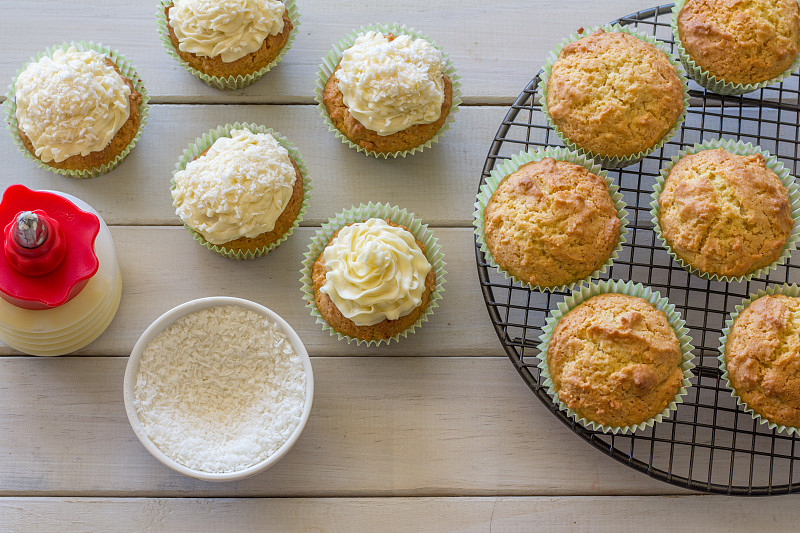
741, 42
615, 360
389, 93
762, 355
228, 37
551, 223
724, 214
242, 194
613, 94
373, 280
75, 111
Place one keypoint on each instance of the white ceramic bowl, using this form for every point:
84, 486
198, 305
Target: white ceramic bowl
168, 319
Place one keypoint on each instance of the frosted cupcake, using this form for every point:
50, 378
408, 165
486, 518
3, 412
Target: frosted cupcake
373, 274
228, 43
242, 195
78, 109
389, 92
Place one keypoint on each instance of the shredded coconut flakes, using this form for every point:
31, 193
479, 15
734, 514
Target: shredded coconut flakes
220, 390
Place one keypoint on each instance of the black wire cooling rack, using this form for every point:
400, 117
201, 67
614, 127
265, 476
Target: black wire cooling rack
708, 444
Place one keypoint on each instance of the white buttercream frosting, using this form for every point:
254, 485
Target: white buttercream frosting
374, 272
239, 188
230, 29
389, 86
71, 103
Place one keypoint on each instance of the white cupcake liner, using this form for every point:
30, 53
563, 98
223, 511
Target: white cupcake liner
363, 212
739, 148
611, 162
202, 143
710, 82
562, 154
332, 59
125, 68
785, 289
225, 82
631, 289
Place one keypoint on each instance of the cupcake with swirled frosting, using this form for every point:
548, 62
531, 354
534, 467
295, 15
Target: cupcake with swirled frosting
75, 111
228, 39
373, 280
389, 91
242, 195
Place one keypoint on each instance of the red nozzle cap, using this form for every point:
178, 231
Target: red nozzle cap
50, 273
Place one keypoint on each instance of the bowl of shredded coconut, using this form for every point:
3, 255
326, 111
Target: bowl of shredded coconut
219, 388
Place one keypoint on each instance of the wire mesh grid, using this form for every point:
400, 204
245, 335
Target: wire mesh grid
709, 444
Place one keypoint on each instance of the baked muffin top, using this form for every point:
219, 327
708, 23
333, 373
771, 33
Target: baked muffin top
741, 41
613, 94
762, 354
723, 213
615, 360
551, 222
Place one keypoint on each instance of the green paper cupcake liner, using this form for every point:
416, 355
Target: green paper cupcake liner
125, 68
785, 289
358, 214
204, 142
612, 161
710, 82
332, 59
739, 148
225, 82
631, 289
510, 166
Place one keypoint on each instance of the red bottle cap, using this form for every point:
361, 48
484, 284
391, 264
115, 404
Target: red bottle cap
46, 264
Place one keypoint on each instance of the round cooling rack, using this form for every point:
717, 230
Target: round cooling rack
709, 444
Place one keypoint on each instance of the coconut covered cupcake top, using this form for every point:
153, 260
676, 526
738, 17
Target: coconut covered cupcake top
723, 213
613, 94
741, 42
615, 360
72, 103
390, 83
374, 271
239, 188
762, 355
230, 29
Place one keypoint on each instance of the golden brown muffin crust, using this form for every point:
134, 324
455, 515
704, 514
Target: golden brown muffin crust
741, 41
551, 222
370, 140
762, 354
613, 94
115, 146
382, 330
615, 360
725, 214
253, 62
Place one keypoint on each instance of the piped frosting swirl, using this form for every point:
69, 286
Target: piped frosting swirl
230, 29
389, 86
72, 103
374, 272
239, 188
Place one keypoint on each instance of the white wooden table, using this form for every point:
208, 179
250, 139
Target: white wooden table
436, 433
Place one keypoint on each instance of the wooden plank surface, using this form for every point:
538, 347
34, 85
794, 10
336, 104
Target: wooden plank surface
457, 515
439, 185
163, 267
497, 47
397, 426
